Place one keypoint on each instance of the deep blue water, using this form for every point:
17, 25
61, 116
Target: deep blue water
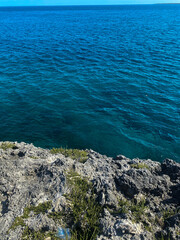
98, 77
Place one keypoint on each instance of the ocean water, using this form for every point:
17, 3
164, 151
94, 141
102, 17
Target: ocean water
100, 77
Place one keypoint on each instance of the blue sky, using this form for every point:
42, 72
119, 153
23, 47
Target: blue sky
78, 2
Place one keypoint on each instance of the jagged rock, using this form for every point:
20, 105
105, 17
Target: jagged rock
172, 225
39, 222
126, 226
136, 181
31, 175
171, 168
60, 204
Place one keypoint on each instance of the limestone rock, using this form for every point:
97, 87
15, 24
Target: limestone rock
149, 192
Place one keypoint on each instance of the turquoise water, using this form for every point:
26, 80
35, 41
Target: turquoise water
105, 78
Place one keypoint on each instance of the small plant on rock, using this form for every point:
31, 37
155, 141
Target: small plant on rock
84, 208
137, 209
163, 237
139, 166
7, 145
30, 234
77, 154
33, 157
41, 208
169, 213
124, 206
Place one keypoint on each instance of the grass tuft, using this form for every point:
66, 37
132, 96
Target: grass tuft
84, 208
41, 208
77, 154
164, 215
140, 166
30, 234
136, 209
33, 157
56, 216
83, 212
169, 213
19, 221
124, 206
7, 145
163, 237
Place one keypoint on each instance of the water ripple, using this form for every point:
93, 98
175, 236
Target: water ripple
105, 78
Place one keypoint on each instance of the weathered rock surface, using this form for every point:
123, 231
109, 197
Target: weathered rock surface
31, 175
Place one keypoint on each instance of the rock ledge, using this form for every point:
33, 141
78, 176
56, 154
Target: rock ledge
139, 198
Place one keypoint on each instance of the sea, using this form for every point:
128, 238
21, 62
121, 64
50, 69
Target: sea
105, 78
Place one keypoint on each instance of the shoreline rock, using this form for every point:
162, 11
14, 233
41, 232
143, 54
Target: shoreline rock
140, 199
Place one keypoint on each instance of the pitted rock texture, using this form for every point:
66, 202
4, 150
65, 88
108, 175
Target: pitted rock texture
30, 176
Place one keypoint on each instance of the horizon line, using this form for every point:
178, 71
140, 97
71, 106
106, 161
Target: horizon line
63, 5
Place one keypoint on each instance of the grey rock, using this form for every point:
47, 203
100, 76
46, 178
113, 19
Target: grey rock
171, 168
136, 181
39, 222
30, 175
126, 226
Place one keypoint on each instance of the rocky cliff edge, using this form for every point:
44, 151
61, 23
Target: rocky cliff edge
88, 194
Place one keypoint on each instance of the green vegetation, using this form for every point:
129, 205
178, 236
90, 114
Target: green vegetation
163, 237
85, 211
140, 166
82, 214
124, 206
33, 157
77, 154
147, 227
7, 145
178, 233
169, 213
28, 233
19, 221
137, 209
41, 208
56, 216
38, 235
164, 215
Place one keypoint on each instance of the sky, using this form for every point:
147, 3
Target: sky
79, 2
